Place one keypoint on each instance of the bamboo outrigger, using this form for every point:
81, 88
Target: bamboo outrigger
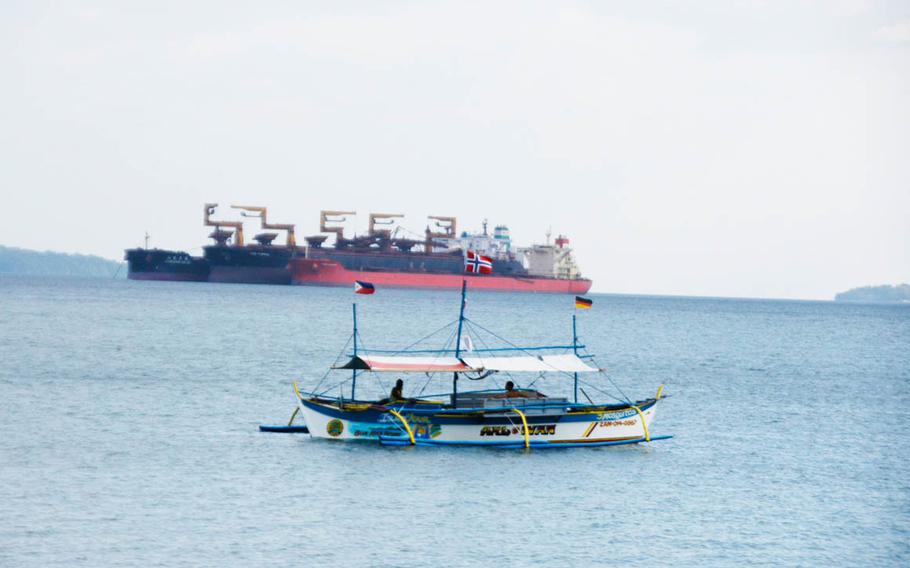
517, 418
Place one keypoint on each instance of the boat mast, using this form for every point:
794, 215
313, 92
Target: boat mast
575, 350
464, 286
354, 371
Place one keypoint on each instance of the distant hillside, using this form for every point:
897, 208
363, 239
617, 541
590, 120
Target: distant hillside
22, 261
876, 294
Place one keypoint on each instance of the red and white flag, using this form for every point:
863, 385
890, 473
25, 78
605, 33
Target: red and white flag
477, 263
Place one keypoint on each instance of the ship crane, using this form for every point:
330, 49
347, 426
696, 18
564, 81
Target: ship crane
221, 237
382, 219
386, 238
448, 226
267, 238
326, 217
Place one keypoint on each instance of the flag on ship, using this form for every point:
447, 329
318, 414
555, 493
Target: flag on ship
363, 287
583, 303
477, 263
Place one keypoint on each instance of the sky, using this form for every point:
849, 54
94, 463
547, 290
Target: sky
719, 148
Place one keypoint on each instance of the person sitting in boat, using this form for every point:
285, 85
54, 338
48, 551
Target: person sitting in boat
396, 395
510, 392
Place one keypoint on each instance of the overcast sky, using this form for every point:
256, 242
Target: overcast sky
713, 148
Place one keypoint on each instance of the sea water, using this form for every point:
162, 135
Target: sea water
130, 412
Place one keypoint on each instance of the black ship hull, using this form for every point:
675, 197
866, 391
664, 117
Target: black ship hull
168, 265
249, 265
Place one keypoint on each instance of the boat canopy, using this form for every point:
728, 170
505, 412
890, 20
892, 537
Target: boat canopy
568, 363
400, 364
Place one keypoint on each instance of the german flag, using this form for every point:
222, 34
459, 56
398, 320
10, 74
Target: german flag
583, 303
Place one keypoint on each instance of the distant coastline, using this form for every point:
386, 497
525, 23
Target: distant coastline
885, 294
37, 263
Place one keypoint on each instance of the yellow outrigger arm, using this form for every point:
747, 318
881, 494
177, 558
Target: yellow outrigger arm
406, 426
644, 425
524, 421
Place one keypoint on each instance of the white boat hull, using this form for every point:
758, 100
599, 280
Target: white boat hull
507, 427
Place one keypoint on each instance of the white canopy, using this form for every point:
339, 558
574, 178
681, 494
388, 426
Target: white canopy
568, 363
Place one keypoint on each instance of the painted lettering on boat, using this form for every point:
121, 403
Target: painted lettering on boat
536, 430
361, 431
617, 423
617, 415
417, 418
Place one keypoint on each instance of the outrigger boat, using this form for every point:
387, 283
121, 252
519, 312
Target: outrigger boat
519, 418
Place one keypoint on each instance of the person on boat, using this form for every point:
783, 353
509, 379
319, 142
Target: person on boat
396, 395
510, 391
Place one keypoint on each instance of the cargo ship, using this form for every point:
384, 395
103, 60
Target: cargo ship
229, 259
160, 264
232, 261
385, 256
436, 261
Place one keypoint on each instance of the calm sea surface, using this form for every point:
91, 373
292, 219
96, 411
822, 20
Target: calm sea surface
130, 411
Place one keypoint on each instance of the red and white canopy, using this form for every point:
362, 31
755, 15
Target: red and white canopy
399, 364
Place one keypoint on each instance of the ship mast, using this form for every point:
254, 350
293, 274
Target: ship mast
354, 371
464, 287
575, 350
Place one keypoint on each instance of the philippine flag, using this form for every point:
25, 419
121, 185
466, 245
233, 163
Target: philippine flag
363, 287
477, 263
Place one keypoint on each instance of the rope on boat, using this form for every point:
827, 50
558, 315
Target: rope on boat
486, 347
340, 353
378, 376
626, 400
440, 353
422, 339
406, 427
586, 395
609, 378
517, 347
539, 376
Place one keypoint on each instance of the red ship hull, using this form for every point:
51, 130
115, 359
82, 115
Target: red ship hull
322, 272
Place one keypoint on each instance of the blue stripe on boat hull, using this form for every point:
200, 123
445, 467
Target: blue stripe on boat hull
470, 417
